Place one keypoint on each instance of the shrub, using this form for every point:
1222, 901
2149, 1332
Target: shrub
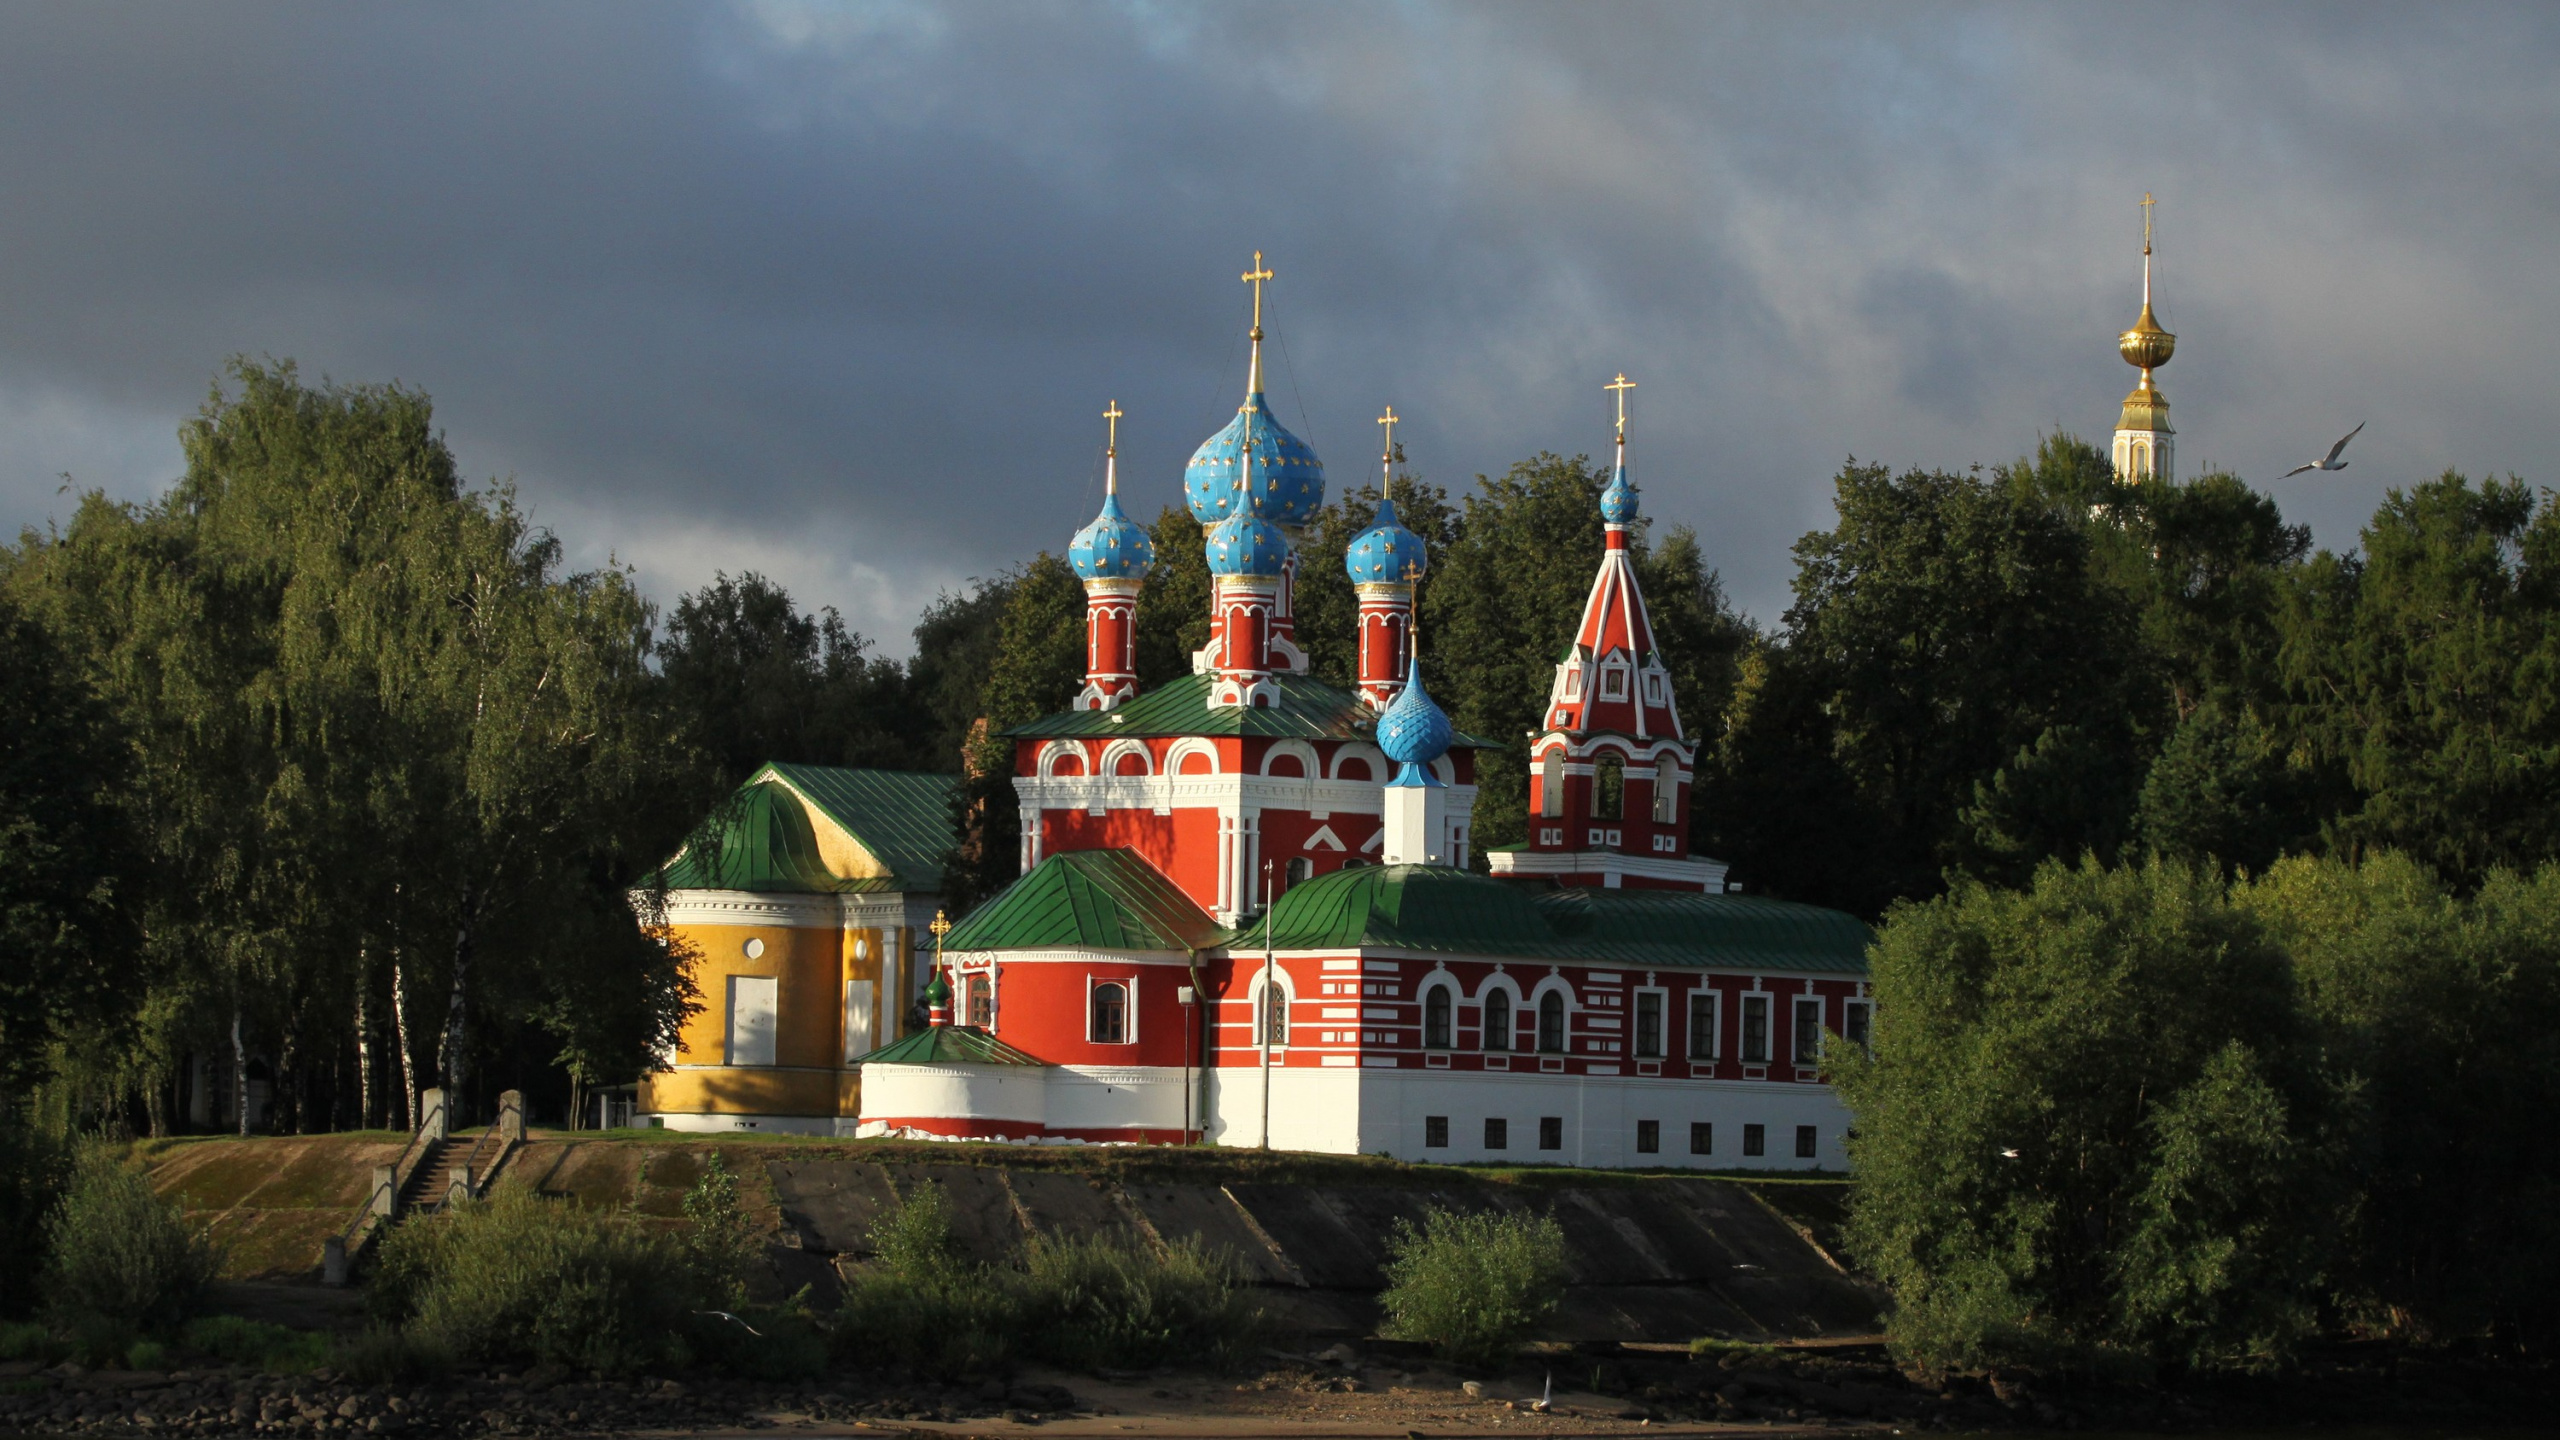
1112, 1300
925, 1308
519, 1278
717, 1241
277, 1349
1473, 1286
25, 1340
146, 1355
385, 1355
118, 1252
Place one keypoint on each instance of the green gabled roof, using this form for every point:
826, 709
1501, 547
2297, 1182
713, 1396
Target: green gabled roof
1435, 908
759, 839
1308, 710
903, 817
948, 1045
1093, 899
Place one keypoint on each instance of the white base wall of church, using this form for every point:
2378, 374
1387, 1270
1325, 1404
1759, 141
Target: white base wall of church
1388, 1112
695, 1124
1066, 1100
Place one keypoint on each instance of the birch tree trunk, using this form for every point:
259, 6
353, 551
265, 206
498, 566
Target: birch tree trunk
400, 1036
239, 1068
453, 1056
364, 1043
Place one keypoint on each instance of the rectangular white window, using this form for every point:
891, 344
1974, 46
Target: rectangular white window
1702, 1024
751, 1019
1854, 1024
1808, 1037
1573, 682
1755, 1029
1613, 684
857, 1020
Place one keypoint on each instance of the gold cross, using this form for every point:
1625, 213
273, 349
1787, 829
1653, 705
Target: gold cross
2146, 222
1389, 420
1255, 277
1621, 385
940, 927
1113, 415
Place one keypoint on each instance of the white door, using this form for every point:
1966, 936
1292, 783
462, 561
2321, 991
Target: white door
751, 1007
857, 1020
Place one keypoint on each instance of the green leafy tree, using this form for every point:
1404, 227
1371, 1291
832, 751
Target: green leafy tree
2089, 1131
2434, 1015
1956, 663
66, 930
1173, 610
752, 680
2428, 667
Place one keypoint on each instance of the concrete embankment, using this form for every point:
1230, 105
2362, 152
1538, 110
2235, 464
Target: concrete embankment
1650, 1257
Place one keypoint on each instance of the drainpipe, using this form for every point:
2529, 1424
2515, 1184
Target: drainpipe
1194, 1047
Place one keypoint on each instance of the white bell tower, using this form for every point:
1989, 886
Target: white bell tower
2146, 448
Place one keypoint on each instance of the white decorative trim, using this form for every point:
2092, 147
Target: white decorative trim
1612, 867
750, 907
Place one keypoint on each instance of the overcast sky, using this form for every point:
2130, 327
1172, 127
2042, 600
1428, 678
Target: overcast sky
837, 292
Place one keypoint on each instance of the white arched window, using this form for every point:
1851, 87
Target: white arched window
1271, 1015
1551, 1022
1110, 1002
1438, 1018
1497, 1018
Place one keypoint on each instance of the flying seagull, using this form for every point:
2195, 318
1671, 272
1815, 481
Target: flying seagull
2332, 462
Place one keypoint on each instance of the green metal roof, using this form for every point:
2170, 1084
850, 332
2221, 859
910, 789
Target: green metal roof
1308, 710
759, 839
903, 817
948, 1045
1093, 899
1436, 908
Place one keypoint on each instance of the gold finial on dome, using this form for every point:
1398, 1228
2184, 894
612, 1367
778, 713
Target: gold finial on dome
2146, 346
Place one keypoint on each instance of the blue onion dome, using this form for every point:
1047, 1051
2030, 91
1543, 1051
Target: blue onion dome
1246, 544
1618, 502
1386, 550
1414, 732
1287, 483
1113, 547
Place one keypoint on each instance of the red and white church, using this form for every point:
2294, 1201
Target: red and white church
1250, 912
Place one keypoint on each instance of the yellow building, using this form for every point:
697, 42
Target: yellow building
807, 917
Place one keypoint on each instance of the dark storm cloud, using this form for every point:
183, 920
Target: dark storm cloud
837, 291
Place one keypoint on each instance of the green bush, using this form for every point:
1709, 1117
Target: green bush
25, 1340
1473, 1286
718, 1243
387, 1355
925, 1309
146, 1355
1113, 1300
277, 1349
518, 1278
118, 1253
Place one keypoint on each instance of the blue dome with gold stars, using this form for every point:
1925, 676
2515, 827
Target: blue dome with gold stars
1414, 732
1287, 483
1386, 550
1113, 547
1246, 544
1618, 502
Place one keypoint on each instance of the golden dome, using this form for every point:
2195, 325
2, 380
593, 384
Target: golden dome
2146, 346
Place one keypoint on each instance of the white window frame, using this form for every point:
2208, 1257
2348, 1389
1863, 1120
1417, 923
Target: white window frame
1288, 1011
1742, 1036
1666, 790
1551, 783
1795, 1030
1555, 985
1613, 682
729, 1046
1863, 1007
1444, 983
1714, 1048
1128, 1007
1511, 1028
1635, 1022
1573, 680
